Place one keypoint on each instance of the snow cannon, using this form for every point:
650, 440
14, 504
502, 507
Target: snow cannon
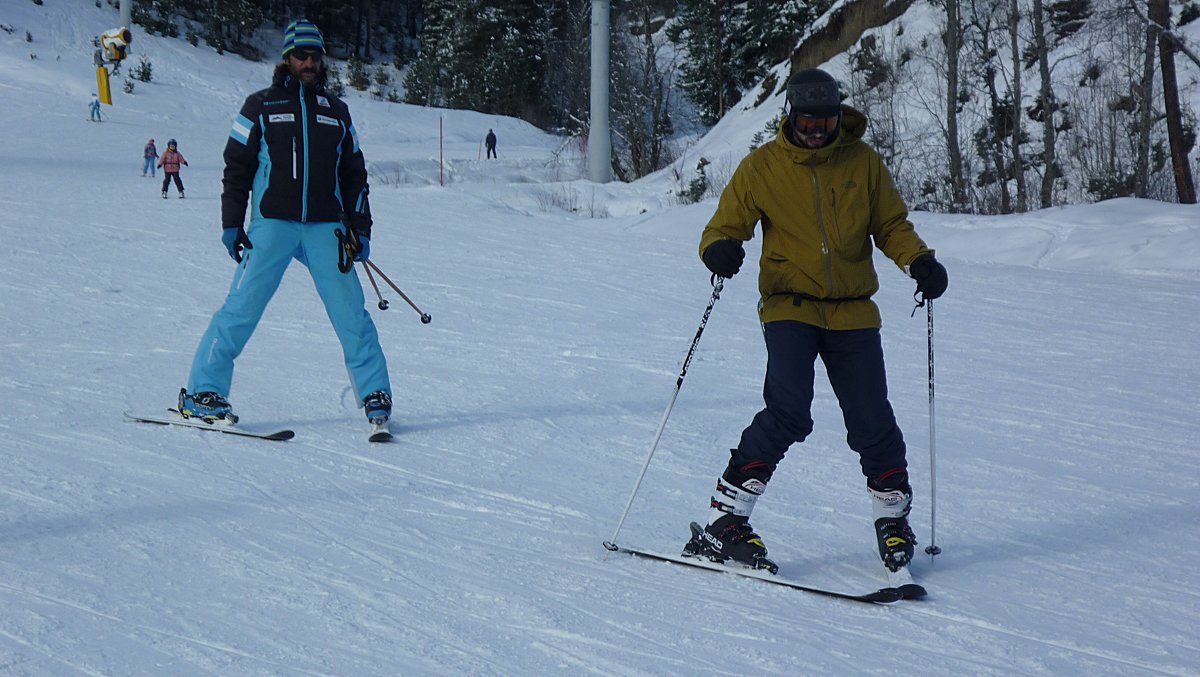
114, 44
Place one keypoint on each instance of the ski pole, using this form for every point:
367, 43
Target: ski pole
718, 284
932, 549
425, 318
383, 305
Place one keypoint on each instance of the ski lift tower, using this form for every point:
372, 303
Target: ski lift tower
599, 142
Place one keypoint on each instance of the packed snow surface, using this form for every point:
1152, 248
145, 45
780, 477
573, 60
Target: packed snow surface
1065, 419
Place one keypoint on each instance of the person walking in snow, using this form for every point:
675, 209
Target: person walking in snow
294, 146
149, 154
490, 142
170, 162
823, 197
94, 107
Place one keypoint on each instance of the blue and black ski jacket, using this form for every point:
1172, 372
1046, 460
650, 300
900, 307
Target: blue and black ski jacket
296, 148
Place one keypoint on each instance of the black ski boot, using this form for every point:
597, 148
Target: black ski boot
729, 538
207, 406
729, 535
891, 501
378, 407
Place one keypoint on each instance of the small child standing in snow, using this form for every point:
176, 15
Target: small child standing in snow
170, 162
150, 153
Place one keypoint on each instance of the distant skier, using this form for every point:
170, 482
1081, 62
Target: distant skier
490, 142
150, 153
314, 210
170, 162
94, 106
823, 197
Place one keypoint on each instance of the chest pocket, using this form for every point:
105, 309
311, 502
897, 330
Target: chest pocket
281, 128
325, 135
851, 208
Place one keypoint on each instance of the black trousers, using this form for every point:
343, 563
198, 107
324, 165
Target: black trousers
167, 181
854, 362
491, 152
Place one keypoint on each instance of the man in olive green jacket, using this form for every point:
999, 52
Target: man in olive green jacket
824, 198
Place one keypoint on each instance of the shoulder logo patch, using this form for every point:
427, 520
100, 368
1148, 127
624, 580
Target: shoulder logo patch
281, 117
322, 101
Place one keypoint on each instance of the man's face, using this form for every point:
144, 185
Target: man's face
814, 132
305, 64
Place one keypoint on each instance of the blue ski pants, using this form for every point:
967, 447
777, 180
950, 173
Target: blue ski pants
854, 362
276, 243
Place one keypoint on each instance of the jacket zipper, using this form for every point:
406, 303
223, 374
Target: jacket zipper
294, 177
824, 243
304, 132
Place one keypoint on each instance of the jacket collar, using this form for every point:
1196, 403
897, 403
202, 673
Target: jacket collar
854, 124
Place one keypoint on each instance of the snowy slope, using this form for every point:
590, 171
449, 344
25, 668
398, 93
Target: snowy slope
1066, 421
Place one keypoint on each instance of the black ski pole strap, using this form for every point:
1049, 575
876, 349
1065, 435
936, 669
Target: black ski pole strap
919, 299
347, 249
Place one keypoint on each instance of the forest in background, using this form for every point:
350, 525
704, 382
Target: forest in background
1004, 106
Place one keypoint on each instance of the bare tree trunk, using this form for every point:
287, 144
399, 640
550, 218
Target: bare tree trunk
1160, 14
995, 145
994, 150
1141, 171
953, 44
1046, 93
1014, 20
724, 67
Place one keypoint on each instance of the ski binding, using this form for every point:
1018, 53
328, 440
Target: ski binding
380, 433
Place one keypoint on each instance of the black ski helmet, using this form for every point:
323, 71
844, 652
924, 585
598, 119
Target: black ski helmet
813, 93
172, 144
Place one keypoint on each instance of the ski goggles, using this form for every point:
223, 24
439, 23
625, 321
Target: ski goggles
815, 126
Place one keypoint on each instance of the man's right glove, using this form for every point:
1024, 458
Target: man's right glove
235, 240
930, 276
724, 257
364, 248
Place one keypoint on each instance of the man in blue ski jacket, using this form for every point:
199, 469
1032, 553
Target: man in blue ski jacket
294, 150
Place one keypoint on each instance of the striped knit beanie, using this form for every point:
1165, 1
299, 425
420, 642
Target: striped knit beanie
302, 34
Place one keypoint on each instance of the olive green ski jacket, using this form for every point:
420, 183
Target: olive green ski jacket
821, 211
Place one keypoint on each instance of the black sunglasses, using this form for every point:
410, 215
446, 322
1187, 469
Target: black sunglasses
302, 55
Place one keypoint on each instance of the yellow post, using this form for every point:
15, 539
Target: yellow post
102, 86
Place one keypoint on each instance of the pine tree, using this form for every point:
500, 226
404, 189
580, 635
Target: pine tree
706, 30
425, 82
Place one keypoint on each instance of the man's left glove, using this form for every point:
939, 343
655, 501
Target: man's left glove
235, 239
930, 276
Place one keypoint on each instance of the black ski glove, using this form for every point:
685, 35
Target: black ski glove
930, 276
235, 240
724, 257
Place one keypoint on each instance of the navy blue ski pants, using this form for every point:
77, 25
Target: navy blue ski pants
854, 362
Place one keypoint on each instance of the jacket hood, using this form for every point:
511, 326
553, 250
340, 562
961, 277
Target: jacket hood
851, 130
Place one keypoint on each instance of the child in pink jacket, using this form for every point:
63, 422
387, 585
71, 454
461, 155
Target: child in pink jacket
170, 162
